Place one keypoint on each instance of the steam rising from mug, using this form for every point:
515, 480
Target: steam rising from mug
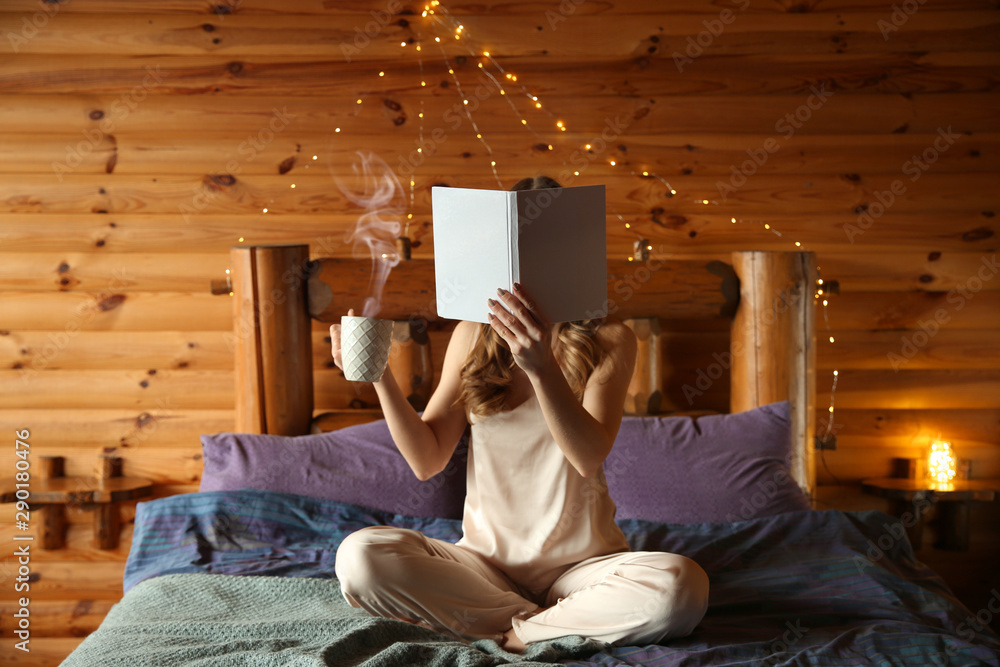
376, 231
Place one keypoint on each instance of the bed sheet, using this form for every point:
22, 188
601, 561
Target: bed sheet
801, 588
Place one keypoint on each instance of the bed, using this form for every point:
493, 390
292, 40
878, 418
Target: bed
242, 572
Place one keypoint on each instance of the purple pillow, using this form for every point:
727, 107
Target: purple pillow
358, 465
718, 468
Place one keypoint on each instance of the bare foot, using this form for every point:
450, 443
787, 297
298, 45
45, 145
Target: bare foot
511, 642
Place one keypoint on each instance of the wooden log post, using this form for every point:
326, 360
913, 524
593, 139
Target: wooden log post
272, 330
107, 516
773, 345
410, 361
645, 391
53, 515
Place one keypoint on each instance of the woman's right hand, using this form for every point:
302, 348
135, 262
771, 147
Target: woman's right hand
335, 342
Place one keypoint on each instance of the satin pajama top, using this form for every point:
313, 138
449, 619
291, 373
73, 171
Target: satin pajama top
527, 509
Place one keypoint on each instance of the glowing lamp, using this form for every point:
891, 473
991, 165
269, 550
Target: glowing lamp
942, 466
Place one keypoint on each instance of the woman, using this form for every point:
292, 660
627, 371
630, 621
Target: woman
541, 556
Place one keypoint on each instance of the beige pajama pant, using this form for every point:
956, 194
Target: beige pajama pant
628, 598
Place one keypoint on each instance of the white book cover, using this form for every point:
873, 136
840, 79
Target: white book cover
552, 241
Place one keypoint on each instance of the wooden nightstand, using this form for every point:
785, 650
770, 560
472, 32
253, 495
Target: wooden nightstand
912, 498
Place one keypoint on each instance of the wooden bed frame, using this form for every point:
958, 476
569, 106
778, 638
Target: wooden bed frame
767, 296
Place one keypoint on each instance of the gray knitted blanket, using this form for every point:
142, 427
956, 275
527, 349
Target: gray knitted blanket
259, 621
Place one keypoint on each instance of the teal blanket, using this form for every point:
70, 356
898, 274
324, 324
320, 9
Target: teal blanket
261, 621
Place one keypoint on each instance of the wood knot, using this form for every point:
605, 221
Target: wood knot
64, 267
82, 608
234, 68
934, 256
219, 181
977, 234
208, 27
392, 105
286, 165
111, 302
96, 114
222, 10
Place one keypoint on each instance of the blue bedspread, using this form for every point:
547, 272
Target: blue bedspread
802, 588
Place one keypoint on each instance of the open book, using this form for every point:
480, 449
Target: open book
552, 242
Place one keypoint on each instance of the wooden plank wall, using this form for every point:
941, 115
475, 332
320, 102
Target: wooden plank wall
138, 142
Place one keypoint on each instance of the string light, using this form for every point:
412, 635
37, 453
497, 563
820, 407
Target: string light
468, 114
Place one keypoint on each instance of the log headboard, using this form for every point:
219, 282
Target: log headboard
766, 297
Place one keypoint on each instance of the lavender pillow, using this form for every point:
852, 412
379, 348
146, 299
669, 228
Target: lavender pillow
708, 469
358, 465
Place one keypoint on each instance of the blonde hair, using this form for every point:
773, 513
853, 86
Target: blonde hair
489, 368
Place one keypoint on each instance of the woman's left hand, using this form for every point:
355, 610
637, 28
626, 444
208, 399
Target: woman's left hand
526, 331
